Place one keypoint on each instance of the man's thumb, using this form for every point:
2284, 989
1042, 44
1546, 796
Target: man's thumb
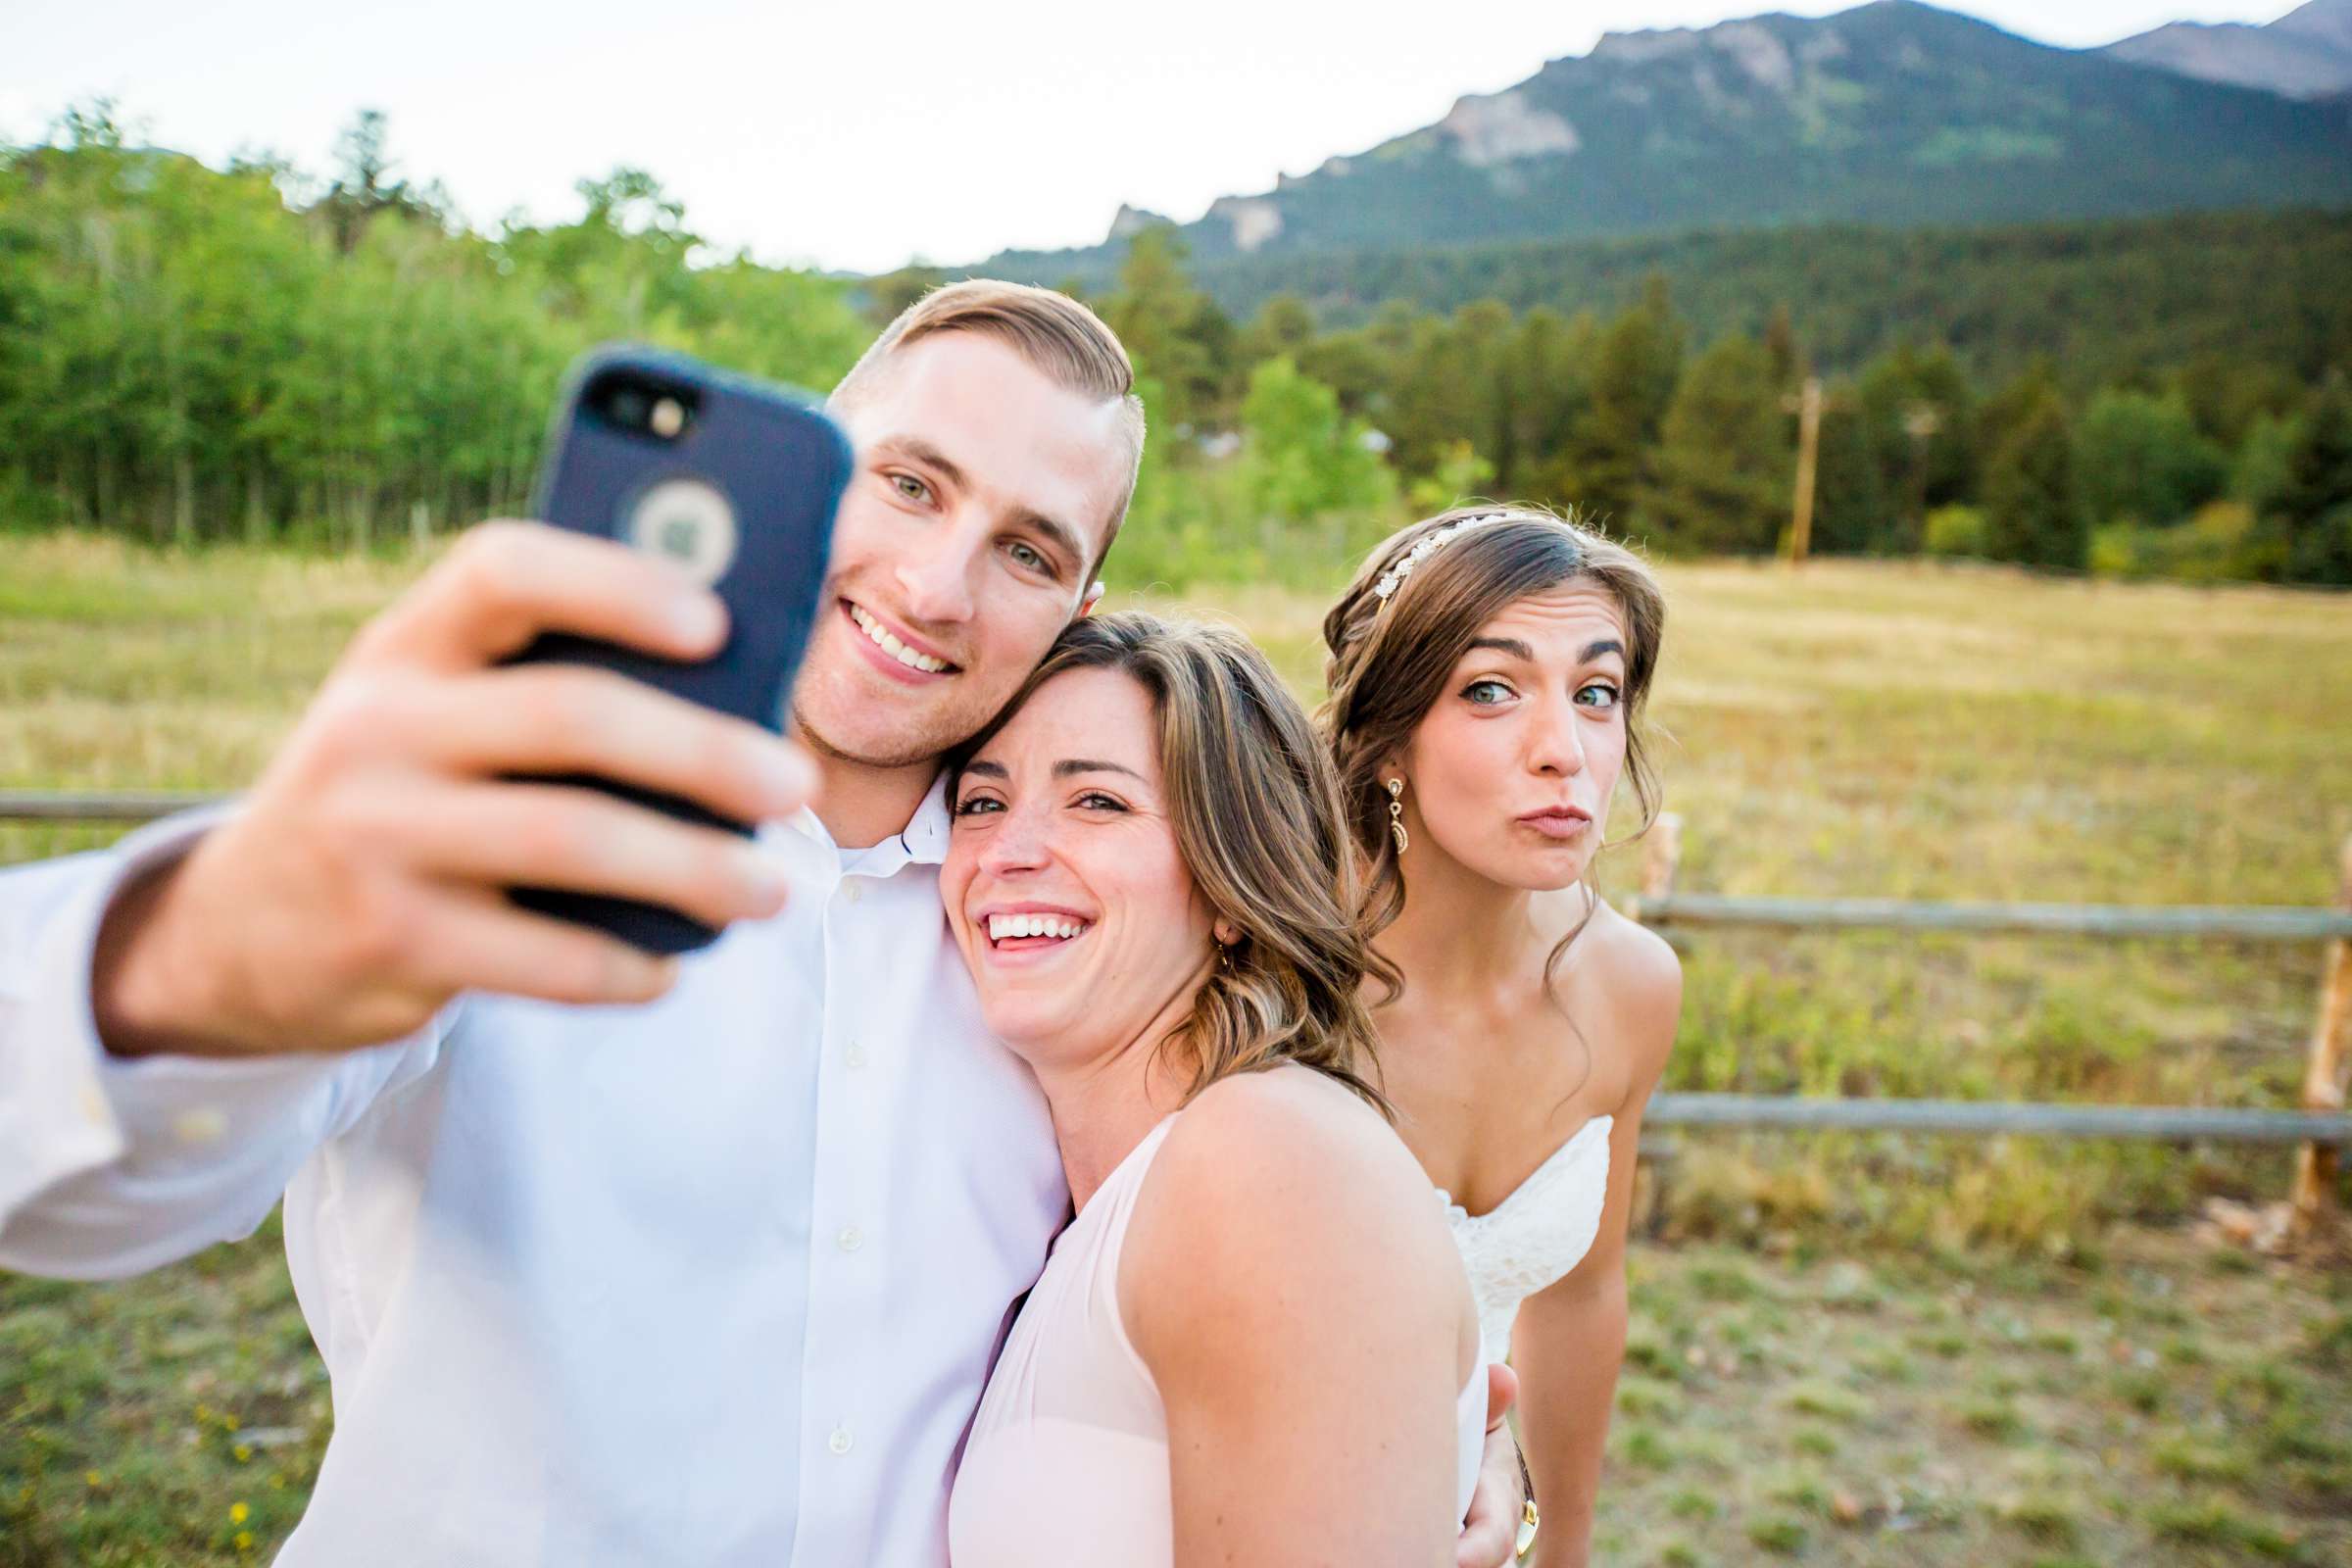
1502, 1392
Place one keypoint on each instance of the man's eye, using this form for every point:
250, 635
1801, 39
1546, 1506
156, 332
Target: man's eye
1029, 558
907, 486
1601, 695
1486, 693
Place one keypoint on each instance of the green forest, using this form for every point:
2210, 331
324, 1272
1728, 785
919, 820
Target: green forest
191, 354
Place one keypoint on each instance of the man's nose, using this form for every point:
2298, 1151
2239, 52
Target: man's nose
935, 573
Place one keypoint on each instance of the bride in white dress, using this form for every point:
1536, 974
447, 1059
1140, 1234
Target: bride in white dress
1487, 673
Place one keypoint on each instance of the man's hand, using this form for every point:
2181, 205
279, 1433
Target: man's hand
1492, 1532
363, 886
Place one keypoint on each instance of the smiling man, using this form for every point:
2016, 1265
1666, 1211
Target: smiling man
611, 1261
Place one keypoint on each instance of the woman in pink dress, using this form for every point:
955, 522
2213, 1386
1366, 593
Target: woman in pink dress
1488, 668
1254, 1344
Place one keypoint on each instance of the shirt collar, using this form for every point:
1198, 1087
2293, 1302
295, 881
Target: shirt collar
924, 841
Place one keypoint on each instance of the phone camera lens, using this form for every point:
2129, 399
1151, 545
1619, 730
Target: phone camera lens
630, 407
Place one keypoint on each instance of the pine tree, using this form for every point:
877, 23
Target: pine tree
2314, 506
2032, 512
1640, 360
1724, 458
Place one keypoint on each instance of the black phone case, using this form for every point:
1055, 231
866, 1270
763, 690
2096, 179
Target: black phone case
781, 463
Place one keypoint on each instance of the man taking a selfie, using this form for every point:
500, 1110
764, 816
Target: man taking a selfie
611, 1260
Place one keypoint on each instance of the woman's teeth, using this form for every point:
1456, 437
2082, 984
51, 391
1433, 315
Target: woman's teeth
1003, 926
889, 644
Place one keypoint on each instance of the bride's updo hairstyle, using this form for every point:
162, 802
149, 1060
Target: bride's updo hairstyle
1254, 807
1397, 633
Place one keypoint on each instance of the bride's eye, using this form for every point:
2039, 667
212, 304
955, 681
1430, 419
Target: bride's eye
975, 805
1599, 693
1486, 693
1096, 800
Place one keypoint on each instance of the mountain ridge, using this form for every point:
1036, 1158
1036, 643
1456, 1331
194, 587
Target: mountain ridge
1893, 111
2305, 54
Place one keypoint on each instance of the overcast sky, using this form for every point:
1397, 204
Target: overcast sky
853, 136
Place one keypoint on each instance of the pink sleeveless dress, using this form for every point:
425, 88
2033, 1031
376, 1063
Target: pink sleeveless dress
1067, 1460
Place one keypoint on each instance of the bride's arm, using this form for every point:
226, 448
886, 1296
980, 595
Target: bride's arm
1290, 1284
1569, 1342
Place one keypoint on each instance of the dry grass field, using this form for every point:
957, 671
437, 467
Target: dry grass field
1846, 1348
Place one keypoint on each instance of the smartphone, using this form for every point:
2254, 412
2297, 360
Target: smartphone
733, 479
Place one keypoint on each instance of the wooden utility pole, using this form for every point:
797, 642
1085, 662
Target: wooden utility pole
2325, 1080
1808, 453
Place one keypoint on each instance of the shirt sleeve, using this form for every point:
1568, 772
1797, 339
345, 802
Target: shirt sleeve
113, 1166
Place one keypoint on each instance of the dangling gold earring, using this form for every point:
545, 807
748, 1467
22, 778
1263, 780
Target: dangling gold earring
1397, 812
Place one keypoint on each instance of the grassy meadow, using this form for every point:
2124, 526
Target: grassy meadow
1846, 1348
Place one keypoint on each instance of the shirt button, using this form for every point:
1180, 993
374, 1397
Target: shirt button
854, 891
92, 1106
854, 1055
204, 1125
851, 1239
840, 1441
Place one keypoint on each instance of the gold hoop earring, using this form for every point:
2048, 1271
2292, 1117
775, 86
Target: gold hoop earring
1397, 812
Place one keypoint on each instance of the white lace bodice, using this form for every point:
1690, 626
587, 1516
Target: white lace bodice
1537, 1234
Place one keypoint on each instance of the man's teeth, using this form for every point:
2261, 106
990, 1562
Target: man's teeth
1002, 926
889, 644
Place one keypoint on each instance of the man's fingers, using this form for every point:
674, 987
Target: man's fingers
481, 942
506, 583
556, 719
1490, 1531
582, 840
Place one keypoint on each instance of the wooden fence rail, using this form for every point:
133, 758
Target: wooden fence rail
2322, 1126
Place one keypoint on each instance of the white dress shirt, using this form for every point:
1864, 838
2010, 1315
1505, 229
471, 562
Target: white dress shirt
714, 1280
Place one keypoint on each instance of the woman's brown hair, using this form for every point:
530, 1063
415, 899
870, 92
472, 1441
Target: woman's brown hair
1254, 805
1392, 656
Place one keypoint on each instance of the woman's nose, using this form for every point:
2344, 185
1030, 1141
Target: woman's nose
1554, 745
1019, 843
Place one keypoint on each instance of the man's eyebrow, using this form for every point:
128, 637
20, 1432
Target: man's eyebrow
1063, 536
1062, 533
1083, 765
923, 452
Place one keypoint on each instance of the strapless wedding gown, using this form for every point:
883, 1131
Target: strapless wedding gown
1537, 1234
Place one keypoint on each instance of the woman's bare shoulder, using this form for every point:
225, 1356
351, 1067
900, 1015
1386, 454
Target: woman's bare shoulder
1289, 1125
1642, 977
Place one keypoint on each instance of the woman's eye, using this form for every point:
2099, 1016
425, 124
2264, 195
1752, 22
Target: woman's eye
1600, 694
1096, 800
975, 805
909, 486
1486, 693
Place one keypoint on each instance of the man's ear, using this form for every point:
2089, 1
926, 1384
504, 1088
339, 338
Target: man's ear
1093, 598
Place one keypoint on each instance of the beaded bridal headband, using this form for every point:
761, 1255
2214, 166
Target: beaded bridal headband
1394, 579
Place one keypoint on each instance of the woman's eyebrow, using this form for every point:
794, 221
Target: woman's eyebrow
1506, 644
1083, 765
1592, 651
986, 770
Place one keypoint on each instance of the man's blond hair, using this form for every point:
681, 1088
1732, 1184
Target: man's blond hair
1054, 332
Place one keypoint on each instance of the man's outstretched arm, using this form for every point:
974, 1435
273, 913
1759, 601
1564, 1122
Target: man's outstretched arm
151, 1000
